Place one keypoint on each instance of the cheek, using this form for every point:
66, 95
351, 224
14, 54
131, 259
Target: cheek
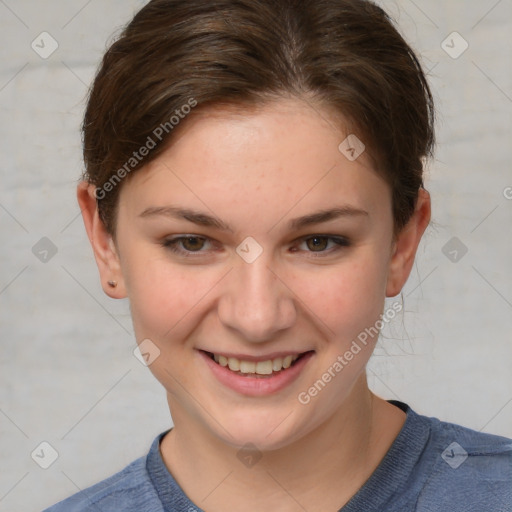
164, 299
346, 298
167, 303
168, 300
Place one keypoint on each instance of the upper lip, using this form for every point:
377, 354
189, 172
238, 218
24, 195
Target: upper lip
266, 357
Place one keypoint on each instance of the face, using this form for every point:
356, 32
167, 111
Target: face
251, 239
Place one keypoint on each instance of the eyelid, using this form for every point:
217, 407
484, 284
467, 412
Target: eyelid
340, 241
172, 245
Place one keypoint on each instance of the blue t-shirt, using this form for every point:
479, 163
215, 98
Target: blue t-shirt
432, 466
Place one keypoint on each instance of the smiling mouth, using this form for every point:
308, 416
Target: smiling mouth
266, 368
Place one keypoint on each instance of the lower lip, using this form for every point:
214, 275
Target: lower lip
256, 386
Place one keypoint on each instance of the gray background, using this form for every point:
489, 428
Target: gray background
68, 375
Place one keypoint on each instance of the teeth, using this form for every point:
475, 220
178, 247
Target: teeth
287, 361
247, 367
260, 368
234, 364
277, 364
264, 367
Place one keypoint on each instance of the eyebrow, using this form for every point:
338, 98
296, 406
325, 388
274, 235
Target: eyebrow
206, 220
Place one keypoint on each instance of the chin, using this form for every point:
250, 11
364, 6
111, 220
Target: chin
266, 431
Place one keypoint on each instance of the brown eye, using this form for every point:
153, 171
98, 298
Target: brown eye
317, 243
323, 245
187, 245
193, 243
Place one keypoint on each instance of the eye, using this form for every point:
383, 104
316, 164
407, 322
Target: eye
316, 245
324, 244
190, 244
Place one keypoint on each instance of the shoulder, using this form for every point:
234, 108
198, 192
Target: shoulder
129, 490
465, 470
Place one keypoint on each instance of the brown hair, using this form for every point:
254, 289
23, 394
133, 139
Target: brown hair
177, 55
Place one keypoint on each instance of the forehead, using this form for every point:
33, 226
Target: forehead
282, 153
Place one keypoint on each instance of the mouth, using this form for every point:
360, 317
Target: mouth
257, 369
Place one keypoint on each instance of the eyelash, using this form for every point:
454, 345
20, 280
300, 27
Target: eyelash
172, 244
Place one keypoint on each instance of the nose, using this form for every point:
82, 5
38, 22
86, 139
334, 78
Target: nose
256, 303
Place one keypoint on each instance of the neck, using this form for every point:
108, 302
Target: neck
321, 471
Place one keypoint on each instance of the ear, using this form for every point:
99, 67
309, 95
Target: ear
103, 245
406, 245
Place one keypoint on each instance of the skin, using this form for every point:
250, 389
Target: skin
256, 172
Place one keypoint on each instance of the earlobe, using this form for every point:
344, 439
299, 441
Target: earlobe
406, 245
105, 251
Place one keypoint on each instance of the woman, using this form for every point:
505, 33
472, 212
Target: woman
254, 186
